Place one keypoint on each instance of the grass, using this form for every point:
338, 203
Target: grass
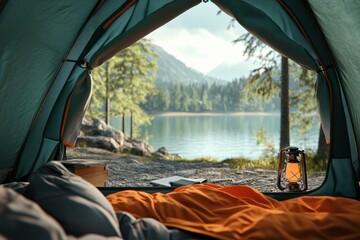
268, 163
271, 163
243, 163
203, 159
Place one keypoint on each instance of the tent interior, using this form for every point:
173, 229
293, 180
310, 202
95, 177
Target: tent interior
48, 49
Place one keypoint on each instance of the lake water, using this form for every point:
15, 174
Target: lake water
219, 136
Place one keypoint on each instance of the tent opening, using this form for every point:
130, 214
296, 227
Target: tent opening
179, 100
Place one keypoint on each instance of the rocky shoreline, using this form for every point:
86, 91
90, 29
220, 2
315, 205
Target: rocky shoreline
127, 170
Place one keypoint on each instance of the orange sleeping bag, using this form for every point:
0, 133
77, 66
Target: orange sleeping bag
241, 212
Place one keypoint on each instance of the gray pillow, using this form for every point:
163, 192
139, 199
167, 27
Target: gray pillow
21, 218
142, 229
75, 203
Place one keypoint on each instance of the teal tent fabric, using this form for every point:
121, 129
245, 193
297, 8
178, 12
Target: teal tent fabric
338, 25
46, 57
268, 21
35, 38
140, 23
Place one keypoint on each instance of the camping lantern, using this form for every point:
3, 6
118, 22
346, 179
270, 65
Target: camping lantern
292, 170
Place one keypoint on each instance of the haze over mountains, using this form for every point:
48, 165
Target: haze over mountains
171, 69
230, 69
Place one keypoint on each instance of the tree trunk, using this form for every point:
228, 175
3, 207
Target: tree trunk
123, 123
284, 105
107, 101
131, 125
323, 148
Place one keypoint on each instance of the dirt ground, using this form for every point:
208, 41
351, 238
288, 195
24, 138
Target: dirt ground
135, 171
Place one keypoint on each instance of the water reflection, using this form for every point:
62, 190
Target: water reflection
220, 136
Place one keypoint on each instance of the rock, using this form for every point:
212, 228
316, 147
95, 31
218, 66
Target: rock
106, 143
137, 151
94, 131
97, 127
163, 151
89, 124
86, 125
142, 144
137, 147
99, 124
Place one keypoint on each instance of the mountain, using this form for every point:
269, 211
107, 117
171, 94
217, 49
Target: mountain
171, 69
229, 70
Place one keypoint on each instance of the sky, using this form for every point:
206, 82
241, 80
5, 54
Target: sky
200, 38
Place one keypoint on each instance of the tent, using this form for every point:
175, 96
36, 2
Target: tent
48, 49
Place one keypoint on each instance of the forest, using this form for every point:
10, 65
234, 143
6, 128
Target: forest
204, 97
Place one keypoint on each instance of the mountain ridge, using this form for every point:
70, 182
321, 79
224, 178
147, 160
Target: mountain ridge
232, 70
170, 69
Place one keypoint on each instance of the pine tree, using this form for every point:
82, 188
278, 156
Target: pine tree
129, 78
195, 99
185, 99
176, 101
163, 100
261, 82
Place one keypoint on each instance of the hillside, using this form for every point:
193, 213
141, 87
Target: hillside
224, 96
171, 69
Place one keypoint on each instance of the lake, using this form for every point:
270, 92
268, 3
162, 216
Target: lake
219, 136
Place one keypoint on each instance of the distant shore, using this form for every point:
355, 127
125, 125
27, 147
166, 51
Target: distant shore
185, 114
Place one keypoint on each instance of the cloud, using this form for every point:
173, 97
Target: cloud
198, 48
200, 38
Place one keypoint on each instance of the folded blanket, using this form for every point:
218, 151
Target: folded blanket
240, 212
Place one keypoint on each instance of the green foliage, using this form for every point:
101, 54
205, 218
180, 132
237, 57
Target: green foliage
176, 100
254, 47
269, 159
126, 80
267, 163
315, 166
261, 138
202, 97
270, 163
195, 99
261, 84
163, 100
302, 99
203, 159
